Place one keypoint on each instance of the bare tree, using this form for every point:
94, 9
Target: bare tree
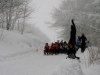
12, 12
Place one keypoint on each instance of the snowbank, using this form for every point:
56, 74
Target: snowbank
12, 44
69, 67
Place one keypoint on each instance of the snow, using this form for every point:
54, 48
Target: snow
18, 56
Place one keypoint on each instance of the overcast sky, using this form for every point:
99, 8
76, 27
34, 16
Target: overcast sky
42, 14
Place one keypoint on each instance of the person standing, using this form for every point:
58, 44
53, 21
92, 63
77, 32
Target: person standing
46, 49
73, 34
83, 42
72, 41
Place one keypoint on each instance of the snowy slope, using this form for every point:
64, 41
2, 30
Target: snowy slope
18, 56
12, 44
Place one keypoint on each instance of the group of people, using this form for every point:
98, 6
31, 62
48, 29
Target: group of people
66, 48
56, 47
69, 48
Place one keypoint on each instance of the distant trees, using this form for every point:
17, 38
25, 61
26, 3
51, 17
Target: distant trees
13, 14
36, 32
86, 15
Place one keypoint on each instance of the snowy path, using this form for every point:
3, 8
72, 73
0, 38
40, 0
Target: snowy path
39, 64
69, 67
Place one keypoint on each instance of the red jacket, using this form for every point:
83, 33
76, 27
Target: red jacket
57, 48
52, 48
46, 49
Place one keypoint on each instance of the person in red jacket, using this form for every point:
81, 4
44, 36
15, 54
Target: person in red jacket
46, 49
52, 48
57, 49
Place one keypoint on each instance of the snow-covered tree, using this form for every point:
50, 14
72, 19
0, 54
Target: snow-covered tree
85, 14
13, 12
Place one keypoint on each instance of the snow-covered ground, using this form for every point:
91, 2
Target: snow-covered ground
18, 56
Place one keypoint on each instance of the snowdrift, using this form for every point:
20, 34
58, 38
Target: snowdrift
69, 67
12, 44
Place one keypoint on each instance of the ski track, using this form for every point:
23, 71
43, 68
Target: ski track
38, 64
15, 56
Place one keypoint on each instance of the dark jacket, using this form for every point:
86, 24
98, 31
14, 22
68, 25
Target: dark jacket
73, 31
83, 40
73, 34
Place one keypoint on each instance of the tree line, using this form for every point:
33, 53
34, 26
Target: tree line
13, 14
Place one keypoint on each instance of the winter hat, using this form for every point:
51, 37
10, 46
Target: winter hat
83, 34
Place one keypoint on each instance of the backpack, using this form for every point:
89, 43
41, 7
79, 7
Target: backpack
78, 42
